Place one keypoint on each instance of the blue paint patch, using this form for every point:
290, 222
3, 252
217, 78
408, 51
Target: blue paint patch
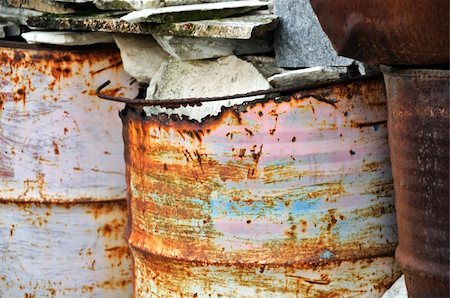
326, 254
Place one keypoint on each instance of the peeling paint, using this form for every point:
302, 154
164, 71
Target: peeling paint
265, 199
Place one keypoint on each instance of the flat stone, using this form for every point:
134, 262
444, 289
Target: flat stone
193, 12
127, 4
193, 48
104, 22
141, 55
244, 27
300, 40
16, 15
308, 76
68, 38
204, 78
398, 289
51, 6
74, 1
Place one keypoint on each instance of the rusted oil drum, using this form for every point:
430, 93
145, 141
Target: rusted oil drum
400, 32
62, 186
272, 198
419, 120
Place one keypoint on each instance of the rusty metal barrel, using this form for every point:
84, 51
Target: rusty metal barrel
284, 197
62, 187
418, 101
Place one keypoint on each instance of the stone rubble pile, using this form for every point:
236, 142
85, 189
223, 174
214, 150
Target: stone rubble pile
191, 48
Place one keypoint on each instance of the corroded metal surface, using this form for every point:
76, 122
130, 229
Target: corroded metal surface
400, 32
57, 140
274, 198
62, 188
419, 141
56, 250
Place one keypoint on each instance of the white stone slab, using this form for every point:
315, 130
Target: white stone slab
307, 75
68, 38
398, 289
192, 12
141, 55
206, 78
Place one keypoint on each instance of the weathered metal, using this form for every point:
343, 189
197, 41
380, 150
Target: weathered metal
62, 188
419, 141
401, 32
272, 198
197, 101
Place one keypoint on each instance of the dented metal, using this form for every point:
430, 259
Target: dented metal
272, 198
62, 188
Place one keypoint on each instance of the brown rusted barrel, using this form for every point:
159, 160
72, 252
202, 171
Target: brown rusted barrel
418, 102
290, 197
62, 186
400, 32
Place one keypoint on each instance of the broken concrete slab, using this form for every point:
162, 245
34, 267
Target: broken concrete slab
50, 6
244, 27
398, 289
67, 38
141, 55
104, 22
205, 78
308, 75
193, 12
300, 40
193, 48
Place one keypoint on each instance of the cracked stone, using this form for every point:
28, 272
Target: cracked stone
141, 55
204, 78
193, 48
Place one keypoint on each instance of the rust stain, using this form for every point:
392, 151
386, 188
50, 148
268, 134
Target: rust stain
245, 190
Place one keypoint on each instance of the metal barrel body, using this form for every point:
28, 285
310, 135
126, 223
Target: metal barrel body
401, 32
419, 141
272, 198
62, 186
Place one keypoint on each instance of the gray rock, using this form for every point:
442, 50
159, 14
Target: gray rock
9, 29
265, 65
193, 12
398, 289
204, 78
300, 40
67, 38
141, 55
193, 48
308, 75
